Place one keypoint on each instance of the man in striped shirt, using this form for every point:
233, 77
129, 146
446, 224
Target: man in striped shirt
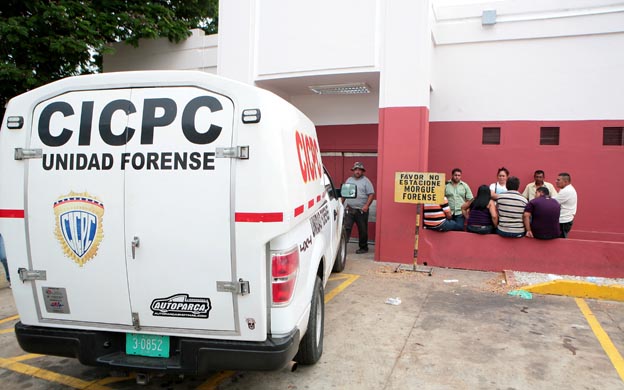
438, 217
510, 207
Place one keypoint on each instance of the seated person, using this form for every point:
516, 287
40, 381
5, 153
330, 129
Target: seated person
541, 216
481, 212
438, 217
510, 206
500, 185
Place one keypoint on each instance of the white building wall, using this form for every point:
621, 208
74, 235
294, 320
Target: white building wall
543, 59
546, 79
237, 24
198, 52
315, 36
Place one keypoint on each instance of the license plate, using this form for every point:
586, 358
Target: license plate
147, 345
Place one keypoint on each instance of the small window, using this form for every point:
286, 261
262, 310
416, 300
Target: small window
613, 136
549, 136
491, 136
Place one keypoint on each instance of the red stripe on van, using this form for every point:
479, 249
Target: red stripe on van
318, 198
299, 211
310, 203
11, 213
259, 217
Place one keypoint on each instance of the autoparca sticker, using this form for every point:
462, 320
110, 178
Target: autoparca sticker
79, 228
181, 305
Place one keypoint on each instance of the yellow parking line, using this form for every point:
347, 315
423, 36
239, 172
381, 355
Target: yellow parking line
349, 279
3, 331
22, 358
216, 380
603, 337
49, 375
2, 321
339, 277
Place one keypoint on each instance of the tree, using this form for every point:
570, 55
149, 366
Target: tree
43, 41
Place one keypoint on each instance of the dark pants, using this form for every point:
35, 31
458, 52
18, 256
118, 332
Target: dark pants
480, 229
458, 223
361, 220
565, 228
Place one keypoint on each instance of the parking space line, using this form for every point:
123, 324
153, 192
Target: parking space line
603, 337
214, 381
349, 279
22, 358
49, 375
3, 331
2, 321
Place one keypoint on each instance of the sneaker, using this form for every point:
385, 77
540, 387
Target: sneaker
360, 251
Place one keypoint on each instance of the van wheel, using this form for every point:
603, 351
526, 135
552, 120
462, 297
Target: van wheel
311, 346
341, 256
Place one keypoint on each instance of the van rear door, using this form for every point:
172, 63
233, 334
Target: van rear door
178, 217
74, 210
129, 210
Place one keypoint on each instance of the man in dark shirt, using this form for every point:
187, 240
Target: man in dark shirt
541, 216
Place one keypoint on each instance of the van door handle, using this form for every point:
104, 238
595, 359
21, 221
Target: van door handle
335, 215
135, 244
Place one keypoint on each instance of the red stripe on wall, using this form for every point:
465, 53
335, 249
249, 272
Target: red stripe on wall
299, 211
11, 213
259, 217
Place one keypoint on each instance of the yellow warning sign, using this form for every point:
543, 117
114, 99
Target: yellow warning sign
419, 187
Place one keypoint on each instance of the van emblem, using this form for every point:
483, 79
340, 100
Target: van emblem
79, 227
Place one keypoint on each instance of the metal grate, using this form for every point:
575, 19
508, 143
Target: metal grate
549, 136
613, 136
491, 136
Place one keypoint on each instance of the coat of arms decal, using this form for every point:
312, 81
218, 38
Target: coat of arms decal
79, 227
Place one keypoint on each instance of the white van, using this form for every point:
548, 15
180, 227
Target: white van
167, 221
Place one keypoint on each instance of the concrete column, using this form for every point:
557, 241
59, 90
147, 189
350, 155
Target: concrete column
403, 120
237, 24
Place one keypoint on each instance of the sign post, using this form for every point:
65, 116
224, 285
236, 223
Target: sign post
419, 188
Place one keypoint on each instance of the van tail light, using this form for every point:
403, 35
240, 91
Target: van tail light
284, 269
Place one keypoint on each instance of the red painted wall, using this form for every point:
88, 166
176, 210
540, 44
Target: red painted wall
494, 253
594, 168
348, 138
403, 140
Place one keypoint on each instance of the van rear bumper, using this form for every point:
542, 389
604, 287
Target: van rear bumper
187, 355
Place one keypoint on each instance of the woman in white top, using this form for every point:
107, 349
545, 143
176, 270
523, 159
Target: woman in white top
500, 185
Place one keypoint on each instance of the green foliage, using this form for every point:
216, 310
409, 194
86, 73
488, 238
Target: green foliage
43, 41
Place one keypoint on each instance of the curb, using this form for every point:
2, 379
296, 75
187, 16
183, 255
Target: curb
578, 289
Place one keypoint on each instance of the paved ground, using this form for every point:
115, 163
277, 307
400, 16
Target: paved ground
453, 330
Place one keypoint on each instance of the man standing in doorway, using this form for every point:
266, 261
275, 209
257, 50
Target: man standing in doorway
568, 199
457, 192
357, 209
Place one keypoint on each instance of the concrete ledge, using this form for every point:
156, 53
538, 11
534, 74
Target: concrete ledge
494, 253
578, 289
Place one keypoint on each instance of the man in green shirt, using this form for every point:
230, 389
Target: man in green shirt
457, 192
